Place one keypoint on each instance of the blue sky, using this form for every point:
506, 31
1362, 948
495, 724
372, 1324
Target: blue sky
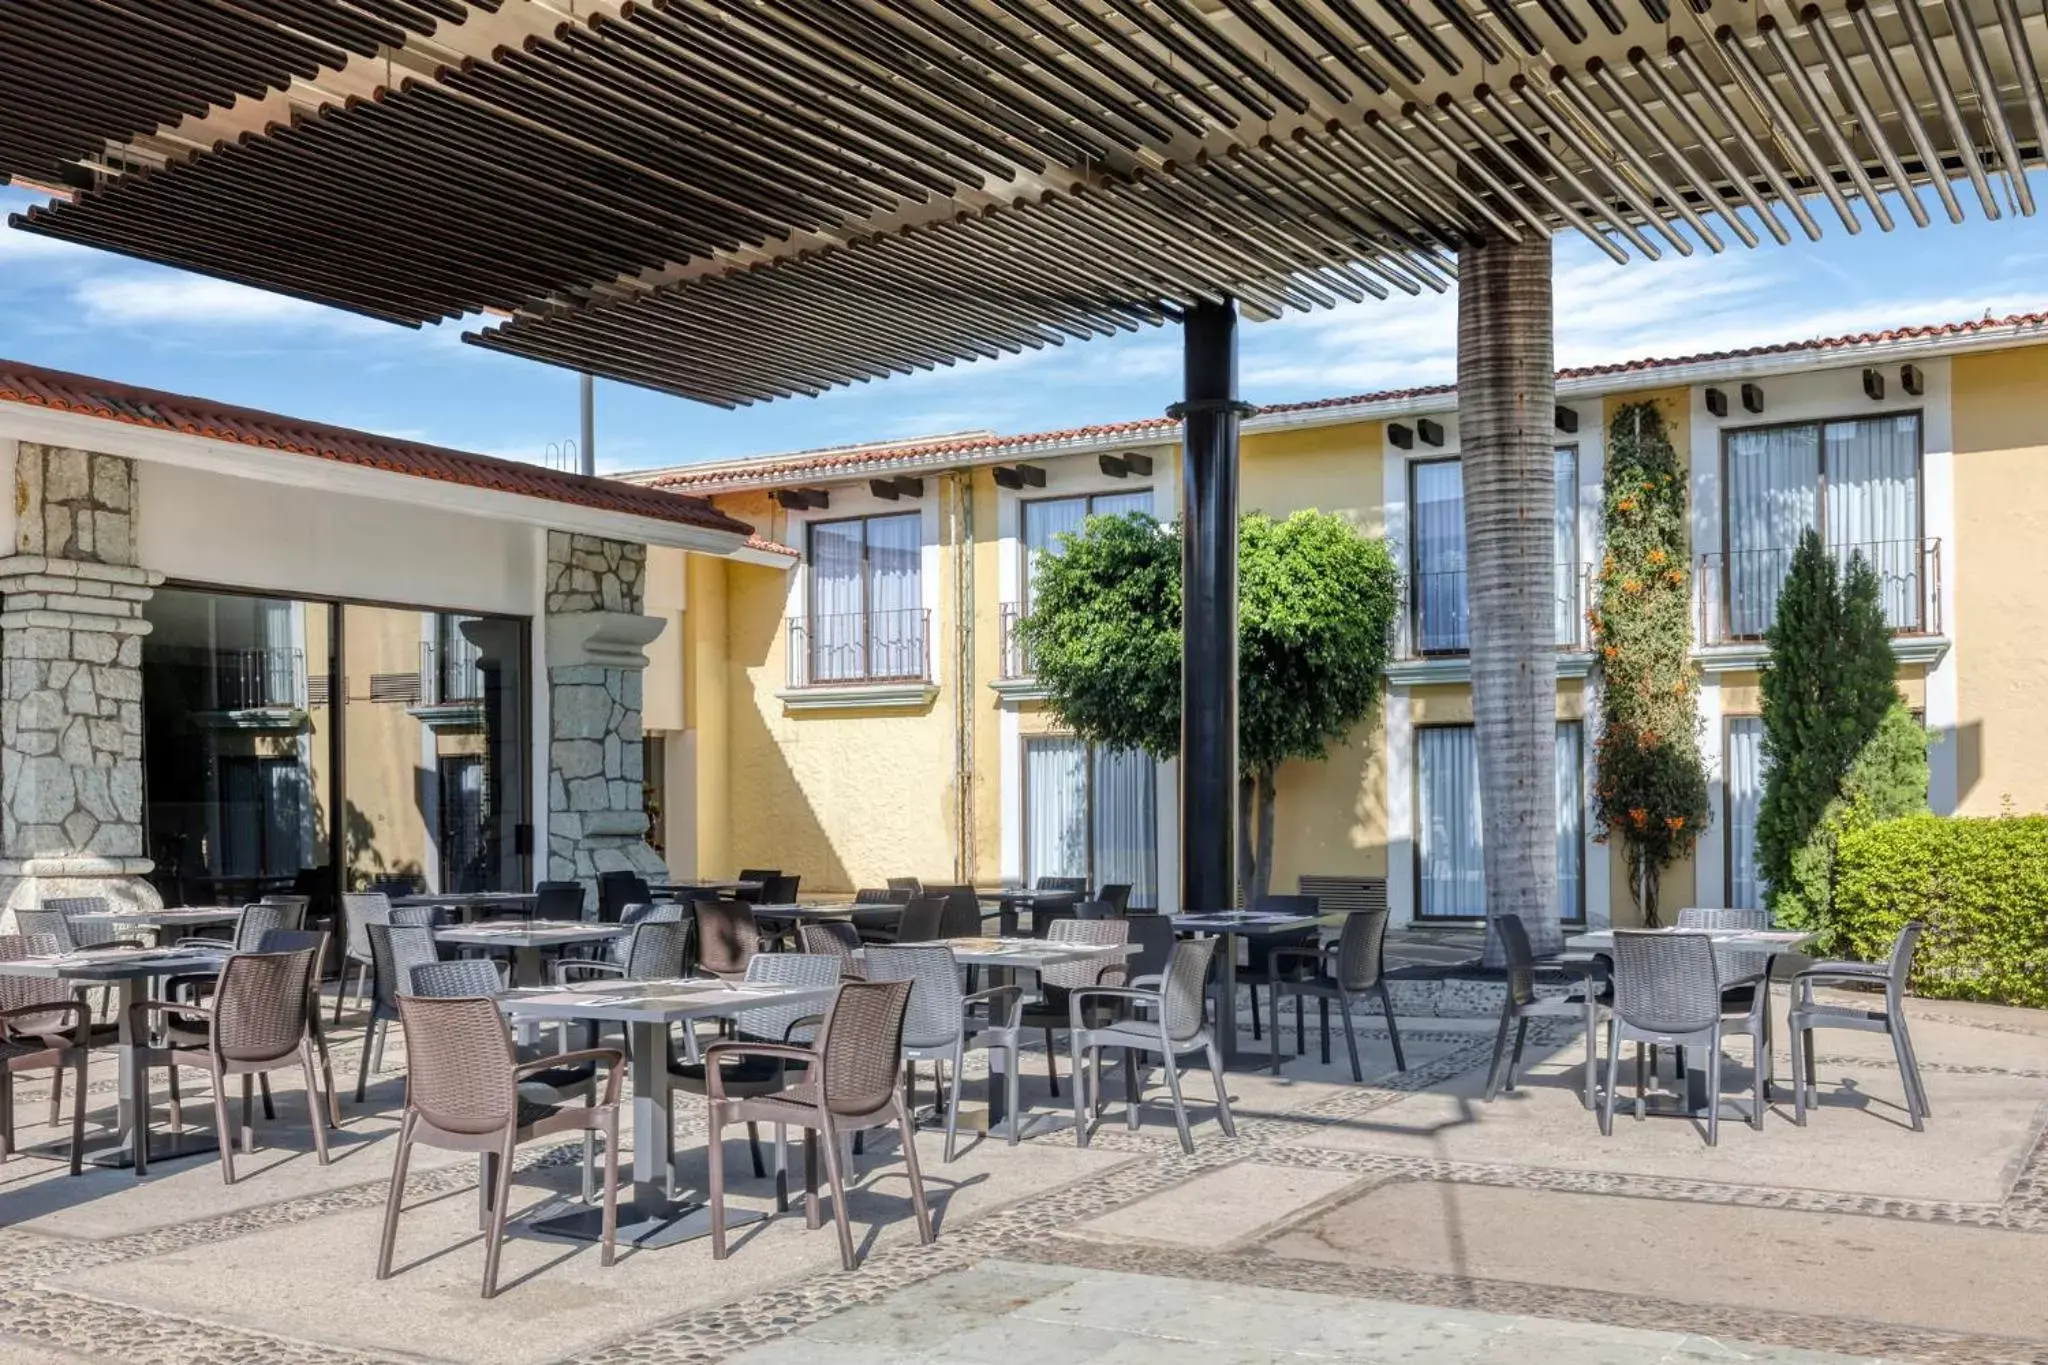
105, 315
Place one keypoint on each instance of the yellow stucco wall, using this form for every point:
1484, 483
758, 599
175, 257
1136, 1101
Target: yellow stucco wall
661, 707
2001, 592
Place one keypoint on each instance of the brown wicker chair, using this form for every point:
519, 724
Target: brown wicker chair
42, 1028
836, 939
851, 1084
727, 937
462, 1094
257, 1021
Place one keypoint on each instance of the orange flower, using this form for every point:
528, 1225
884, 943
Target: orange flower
1633, 585
1625, 505
1658, 556
1675, 578
1674, 823
1649, 487
1611, 652
1638, 817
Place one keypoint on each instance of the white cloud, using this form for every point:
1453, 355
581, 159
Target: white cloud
198, 301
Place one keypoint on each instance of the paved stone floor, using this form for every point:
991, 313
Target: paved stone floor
1400, 1220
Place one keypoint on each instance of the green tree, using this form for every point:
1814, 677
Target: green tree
1650, 786
1316, 608
1826, 690
1887, 781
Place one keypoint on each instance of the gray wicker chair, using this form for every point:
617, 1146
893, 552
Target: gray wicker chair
652, 951
1179, 1026
63, 917
265, 916
850, 1085
1523, 1004
922, 921
941, 1027
1340, 971
835, 939
395, 949
463, 1093
1263, 965
1667, 993
727, 937
1714, 917
359, 909
558, 900
43, 1027
259, 1020
1050, 1011
881, 908
1117, 894
1808, 1015
1077, 885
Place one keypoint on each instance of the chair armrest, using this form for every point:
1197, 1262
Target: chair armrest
586, 964
810, 1021
1847, 971
77, 1008
1075, 998
1311, 956
143, 1007
1150, 981
714, 1078
1013, 993
610, 1058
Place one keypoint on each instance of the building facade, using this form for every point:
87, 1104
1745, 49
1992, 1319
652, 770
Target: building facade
853, 704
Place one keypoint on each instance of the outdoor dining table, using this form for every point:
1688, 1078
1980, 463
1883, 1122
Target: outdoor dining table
1009, 899
470, 904
672, 890
129, 970
1742, 957
529, 941
1228, 925
171, 923
648, 1217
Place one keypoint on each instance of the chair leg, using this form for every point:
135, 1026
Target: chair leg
1180, 1108
7, 1112
754, 1149
220, 1123
1500, 1049
263, 1085
1613, 1078
340, 991
1802, 1069
1223, 1117
495, 1238
1081, 1126
1134, 1089
1013, 1074
1052, 1066
248, 1114
611, 1185
1323, 1023
812, 1138
327, 1075
1592, 1047
714, 1154
56, 1096
1759, 1084
394, 1197
177, 1105
1350, 1036
383, 1032
313, 1103
1232, 1004
1913, 1063
1714, 1093
1393, 1029
1300, 1028
1906, 1079
782, 1168
363, 1062
917, 1204
77, 1113
953, 1109
839, 1215
1515, 1057
138, 1100
1273, 1003
1810, 1084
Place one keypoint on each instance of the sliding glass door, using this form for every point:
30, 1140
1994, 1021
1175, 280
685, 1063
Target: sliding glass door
1091, 812
1450, 871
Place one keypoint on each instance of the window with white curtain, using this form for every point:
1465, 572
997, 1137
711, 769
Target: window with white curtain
1091, 812
1450, 871
1742, 796
1047, 519
1857, 482
866, 605
1438, 621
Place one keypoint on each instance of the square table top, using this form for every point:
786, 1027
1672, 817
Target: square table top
168, 918
1028, 954
116, 964
798, 911
529, 933
1026, 896
484, 898
1725, 940
1243, 922
706, 884
657, 1002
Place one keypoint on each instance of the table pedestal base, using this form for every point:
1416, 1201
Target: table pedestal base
645, 1220
111, 1153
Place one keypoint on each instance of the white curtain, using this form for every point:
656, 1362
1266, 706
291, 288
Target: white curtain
1743, 795
895, 597
838, 642
1773, 496
1437, 592
1055, 808
1453, 878
1571, 823
1873, 506
1120, 504
1125, 821
1044, 523
1565, 535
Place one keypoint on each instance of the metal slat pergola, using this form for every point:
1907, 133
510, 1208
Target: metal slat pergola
737, 202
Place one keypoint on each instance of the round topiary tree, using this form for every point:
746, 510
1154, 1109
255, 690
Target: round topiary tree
1650, 786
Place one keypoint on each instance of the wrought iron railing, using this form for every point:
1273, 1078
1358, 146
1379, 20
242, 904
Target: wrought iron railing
1437, 620
1016, 661
451, 674
259, 679
1738, 590
855, 647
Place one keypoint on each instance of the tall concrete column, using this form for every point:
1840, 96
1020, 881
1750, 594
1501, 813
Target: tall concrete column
1507, 429
71, 628
596, 641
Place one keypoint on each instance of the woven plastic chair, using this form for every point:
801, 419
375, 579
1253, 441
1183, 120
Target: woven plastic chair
961, 917
86, 933
297, 941
1179, 1025
395, 949
910, 884
1340, 971
941, 1026
463, 1094
1523, 1004
1118, 894
1155, 936
834, 939
922, 921
1705, 918
1056, 983
49, 924
1094, 910
261, 918
1667, 993
849, 1086
43, 1027
1808, 1015
259, 1020
652, 951
1077, 885
878, 923
1260, 969
359, 909
616, 891
780, 890
462, 978
727, 937
558, 900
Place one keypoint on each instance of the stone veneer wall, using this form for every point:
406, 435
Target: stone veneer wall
596, 636
71, 628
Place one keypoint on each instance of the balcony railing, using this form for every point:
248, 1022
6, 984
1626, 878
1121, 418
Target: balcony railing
1738, 592
450, 675
858, 647
1016, 660
259, 679
1438, 622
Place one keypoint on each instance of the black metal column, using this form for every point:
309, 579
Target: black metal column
1208, 718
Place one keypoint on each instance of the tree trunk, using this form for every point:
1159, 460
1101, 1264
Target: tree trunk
1247, 862
1262, 880
1507, 400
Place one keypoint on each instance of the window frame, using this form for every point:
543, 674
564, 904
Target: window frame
1088, 757
1024, 506
867, 590
1415, 861
1560, 591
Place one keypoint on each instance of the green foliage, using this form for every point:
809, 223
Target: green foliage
1981, 885
1888, 781
1650, 788
1825, 695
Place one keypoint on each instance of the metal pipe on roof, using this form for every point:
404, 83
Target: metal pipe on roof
1736, 53
1417, 251
1127, 209
1248, 13
1880, 55
1945, 100
1174, 41
1078, 12
1360, 256
1460, 223
1129, 89
1852, 91
1716, 101
1498, 107
1348, 14
1205, 33
1989, 103
1412, 112
1646, 68
2022, 53
1424, 36
1095, 101
1603, 166
1491, 144
1305, 19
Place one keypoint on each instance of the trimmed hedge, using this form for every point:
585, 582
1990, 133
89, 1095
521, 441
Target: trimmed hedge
1980, 884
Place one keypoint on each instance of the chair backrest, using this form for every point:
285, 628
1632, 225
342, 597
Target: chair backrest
397, 884
1094, 910
1700, 917
876, 895
1901, 962
652, 912
1046, 913
1518, 958
49, 924
1117, 894
19, 991
780, 890
759, 874
558, 900
922, 919
1181, 993
616, 891
809, 971
1087, 971
937, 1008
1666, 983
654, 950
962, 915
1362, 949
395, 949
727, 938
458, 1063
412, 916
1078, 885
910, 884
261, 1007
291, 941
286, 898
359, 909
463, 977
861, 1051
1154, 935
84, 932
259, 919
1288, 905
831, 938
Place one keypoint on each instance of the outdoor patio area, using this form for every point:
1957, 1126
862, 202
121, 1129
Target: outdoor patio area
1337, 1215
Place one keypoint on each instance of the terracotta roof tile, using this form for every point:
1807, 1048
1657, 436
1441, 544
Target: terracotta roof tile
81, 394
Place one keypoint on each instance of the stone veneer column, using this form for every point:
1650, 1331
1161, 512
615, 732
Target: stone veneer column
71, 631
596, 649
